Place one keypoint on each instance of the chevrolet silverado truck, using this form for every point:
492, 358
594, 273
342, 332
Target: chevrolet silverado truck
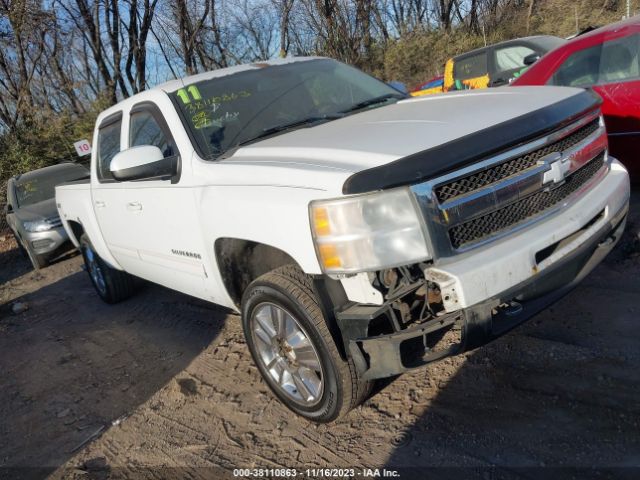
360, 233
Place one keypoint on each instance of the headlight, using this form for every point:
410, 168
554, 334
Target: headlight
37, 226
367, 232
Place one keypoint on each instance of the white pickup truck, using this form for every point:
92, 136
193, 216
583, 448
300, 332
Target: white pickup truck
360, 233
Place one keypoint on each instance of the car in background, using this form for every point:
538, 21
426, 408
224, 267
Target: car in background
429, 87
608, 61
32, 214
491, 66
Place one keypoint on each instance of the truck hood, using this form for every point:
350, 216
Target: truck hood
380, 135
381, 138
37, 211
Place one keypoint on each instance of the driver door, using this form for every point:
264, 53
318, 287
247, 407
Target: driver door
160, 214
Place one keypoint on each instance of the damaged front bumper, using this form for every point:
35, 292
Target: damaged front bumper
557, 268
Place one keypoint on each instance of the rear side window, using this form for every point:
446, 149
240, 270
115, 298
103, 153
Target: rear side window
511, 58
145, 130
108, 145
470, 67
610, 62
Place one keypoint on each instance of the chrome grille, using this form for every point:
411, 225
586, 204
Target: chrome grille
511, 167
524, 209
506, 192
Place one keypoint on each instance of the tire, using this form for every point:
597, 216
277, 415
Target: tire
36, 262
23, 252
302, 367
112, 285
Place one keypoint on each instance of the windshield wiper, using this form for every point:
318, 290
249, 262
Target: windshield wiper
298, 123
374, 101
267, 132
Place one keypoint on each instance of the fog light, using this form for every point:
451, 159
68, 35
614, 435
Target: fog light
43, 243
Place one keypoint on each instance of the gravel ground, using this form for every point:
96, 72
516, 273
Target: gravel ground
162, 386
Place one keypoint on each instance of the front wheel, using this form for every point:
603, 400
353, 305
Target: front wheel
21, 248
112, 285
293, 349
36, 262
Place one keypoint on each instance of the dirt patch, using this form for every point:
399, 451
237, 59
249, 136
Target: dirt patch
166, 381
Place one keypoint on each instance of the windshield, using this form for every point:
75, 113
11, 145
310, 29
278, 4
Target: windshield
222, 113
37, 188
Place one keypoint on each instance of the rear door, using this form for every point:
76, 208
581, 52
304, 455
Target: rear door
619, 87
612, 69
107, 194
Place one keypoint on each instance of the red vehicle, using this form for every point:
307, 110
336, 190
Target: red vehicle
607, 60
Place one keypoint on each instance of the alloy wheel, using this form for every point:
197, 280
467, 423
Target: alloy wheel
287, 354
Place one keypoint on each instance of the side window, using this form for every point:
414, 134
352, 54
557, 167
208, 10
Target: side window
619, 60
108, 146
610, 62
580, 69
10, 187
511, 58
470, 67
145, 130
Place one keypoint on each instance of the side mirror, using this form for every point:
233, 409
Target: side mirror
8, 208
401, 87
531, 59
143, 162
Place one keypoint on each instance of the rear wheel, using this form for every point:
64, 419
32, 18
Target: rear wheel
293, 349
112, 285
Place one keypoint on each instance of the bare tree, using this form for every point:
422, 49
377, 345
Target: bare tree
342, 29
138, 30
256, 24
87, 18
201, 40
284, 8
23, 35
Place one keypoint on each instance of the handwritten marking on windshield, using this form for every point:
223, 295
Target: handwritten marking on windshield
201, 120
215, 102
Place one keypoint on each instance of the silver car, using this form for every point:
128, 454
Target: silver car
32, 214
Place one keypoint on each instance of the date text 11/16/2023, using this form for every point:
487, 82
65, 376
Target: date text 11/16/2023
315, 473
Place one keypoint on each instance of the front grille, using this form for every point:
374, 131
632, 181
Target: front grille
523, 209
511, 167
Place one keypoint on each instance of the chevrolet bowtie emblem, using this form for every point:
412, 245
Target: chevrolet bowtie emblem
558, 168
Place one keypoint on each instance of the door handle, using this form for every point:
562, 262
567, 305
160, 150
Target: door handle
100, 204
134, 206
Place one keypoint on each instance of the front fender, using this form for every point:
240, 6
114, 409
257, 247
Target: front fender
275, 216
